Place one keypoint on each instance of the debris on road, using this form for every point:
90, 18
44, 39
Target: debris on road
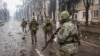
23, 38
1, 24
19, 33
22, 52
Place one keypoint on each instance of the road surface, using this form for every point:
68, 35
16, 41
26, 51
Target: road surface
12, 44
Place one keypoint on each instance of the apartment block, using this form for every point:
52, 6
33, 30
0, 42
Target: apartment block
94, 12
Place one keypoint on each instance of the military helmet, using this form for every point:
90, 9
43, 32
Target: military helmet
47, 19
64, 15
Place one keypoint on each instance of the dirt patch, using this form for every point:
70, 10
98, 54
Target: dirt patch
91, 34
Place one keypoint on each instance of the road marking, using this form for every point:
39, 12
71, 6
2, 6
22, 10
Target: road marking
38, 52
91, 44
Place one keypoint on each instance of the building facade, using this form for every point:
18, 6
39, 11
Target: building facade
94, 12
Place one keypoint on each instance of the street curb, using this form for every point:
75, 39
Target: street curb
91, 43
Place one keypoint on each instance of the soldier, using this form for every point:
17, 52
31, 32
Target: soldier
67, 36
33, 26
23, 25
47, 29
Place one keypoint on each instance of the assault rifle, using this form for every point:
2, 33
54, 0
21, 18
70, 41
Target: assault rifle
52, 37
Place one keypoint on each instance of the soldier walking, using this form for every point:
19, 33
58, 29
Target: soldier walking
23, 25
33, 26
47, 29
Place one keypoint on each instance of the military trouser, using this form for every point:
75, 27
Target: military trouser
68, 49
33, 36
47, 33
24, 29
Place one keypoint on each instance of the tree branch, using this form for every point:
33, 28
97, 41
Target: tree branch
89, 2
84, 3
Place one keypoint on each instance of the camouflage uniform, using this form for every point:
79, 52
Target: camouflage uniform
33, 26
68, 45
23, 25
47, 29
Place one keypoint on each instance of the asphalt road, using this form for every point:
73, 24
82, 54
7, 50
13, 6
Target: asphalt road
12, 44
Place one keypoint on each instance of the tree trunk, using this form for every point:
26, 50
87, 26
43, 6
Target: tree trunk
87, 16
73, 11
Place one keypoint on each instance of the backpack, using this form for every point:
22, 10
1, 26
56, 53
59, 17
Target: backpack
48, 27
33, 25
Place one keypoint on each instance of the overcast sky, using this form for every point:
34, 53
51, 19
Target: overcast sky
11, 5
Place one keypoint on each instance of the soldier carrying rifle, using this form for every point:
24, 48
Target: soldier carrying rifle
67, 36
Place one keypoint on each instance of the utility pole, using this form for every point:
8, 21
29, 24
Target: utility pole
43, 10
57, 14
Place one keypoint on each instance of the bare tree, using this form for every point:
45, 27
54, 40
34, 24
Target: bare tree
5, 10
4, 13
87, 4
52, 9
70, 5
74, 3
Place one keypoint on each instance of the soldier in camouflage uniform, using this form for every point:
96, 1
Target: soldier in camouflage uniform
67, 36
47, 29
23, 25
33, 26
